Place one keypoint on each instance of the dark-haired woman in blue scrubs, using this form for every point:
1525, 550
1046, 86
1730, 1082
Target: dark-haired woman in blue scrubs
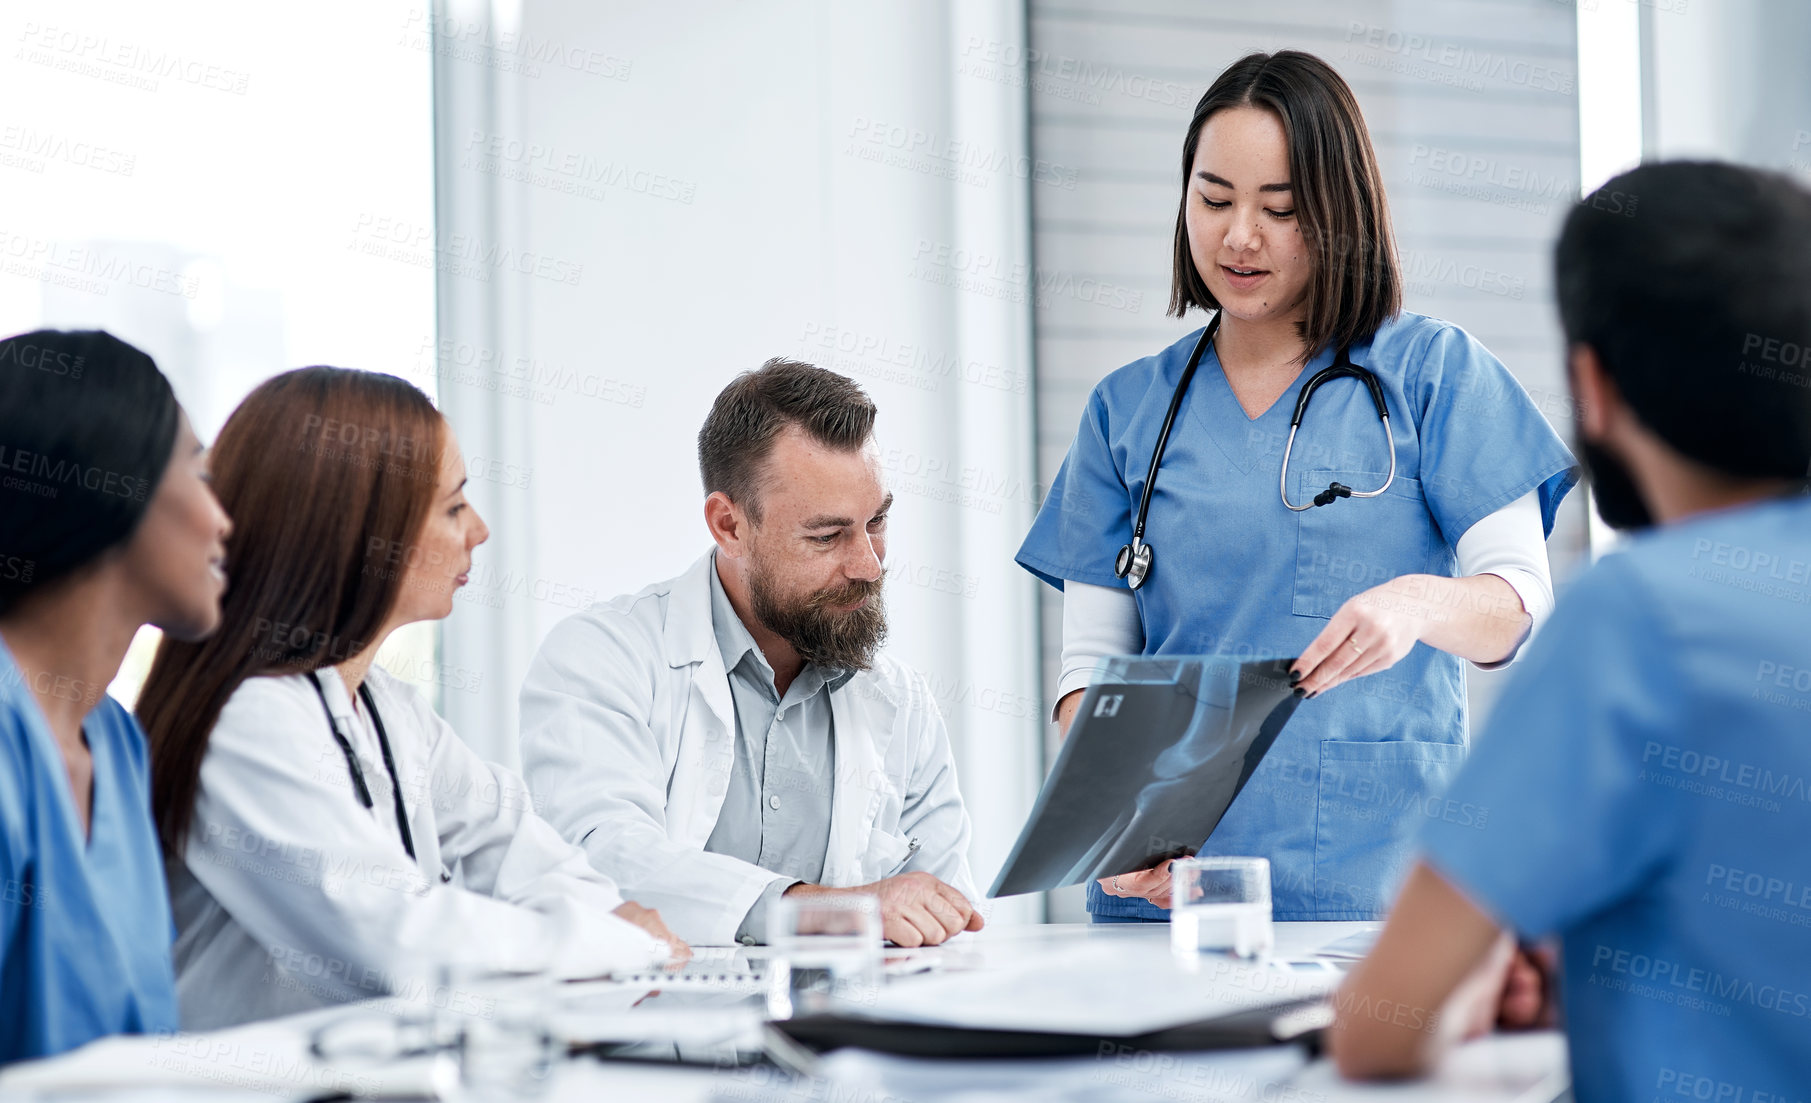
106, 523
1383, 555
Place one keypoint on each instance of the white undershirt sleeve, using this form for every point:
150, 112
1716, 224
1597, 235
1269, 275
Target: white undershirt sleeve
1097, 621
1511, 544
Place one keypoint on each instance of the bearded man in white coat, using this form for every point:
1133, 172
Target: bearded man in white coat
735, 734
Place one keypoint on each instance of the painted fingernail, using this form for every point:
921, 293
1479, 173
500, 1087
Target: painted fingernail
1300, 692
1295, 676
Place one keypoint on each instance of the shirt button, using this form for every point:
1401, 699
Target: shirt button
773, 802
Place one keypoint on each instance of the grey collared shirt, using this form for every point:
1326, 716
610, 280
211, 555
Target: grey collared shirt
776, 811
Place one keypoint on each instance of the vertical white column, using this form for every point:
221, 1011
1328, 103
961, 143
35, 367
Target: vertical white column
995, 431
1610, 95
489, 639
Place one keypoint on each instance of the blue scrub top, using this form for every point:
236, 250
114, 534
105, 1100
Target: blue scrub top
1647, 777
85, 926
1336, 802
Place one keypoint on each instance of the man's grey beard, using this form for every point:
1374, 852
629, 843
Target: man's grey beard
819, 631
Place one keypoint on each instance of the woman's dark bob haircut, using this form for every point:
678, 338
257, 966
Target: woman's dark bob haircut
1339, 202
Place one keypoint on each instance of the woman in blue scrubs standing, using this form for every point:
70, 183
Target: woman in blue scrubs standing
1283, 228
106, 523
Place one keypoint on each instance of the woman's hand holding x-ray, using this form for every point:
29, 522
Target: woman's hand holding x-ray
1147, 884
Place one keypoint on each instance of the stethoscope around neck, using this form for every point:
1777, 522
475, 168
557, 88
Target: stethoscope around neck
1134, 561
359, 788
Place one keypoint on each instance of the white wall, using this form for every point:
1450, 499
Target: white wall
194, 180
1728, 79
713, 185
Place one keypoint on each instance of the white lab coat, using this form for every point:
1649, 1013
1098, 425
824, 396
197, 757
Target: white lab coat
628, 737
292, 895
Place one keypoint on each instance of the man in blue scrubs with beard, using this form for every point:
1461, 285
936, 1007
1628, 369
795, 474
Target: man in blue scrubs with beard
1648, 769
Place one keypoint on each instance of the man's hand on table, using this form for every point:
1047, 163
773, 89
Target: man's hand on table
1526, 1001
916, 909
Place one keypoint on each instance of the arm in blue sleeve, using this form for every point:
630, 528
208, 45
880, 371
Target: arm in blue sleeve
1086, 516
1564, 820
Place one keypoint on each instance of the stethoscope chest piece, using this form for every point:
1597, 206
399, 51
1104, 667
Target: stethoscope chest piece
1133, 562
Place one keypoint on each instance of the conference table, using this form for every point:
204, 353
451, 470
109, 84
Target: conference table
631, 1041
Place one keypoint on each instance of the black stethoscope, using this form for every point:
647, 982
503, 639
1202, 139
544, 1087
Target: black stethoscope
1134, 561
358, 775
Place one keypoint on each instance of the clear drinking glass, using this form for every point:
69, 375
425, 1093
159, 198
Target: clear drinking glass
1221, 904
508, 1053
825, 951
489, 1032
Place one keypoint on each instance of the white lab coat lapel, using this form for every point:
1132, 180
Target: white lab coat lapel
707, 727
864, 712
405, 737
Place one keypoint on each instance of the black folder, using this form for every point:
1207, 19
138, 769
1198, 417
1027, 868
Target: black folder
1298, 1022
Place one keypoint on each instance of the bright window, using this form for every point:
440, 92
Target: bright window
203, 180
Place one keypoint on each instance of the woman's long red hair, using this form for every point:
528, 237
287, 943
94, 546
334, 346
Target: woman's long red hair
328, 474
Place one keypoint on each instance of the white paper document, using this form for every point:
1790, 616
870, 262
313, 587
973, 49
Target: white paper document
1112, 989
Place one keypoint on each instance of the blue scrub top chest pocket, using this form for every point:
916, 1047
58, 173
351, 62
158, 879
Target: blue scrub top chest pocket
1337, 553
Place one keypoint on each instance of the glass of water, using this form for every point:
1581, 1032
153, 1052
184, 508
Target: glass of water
825, 952
1221, 904
510, 1052
496, 1029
